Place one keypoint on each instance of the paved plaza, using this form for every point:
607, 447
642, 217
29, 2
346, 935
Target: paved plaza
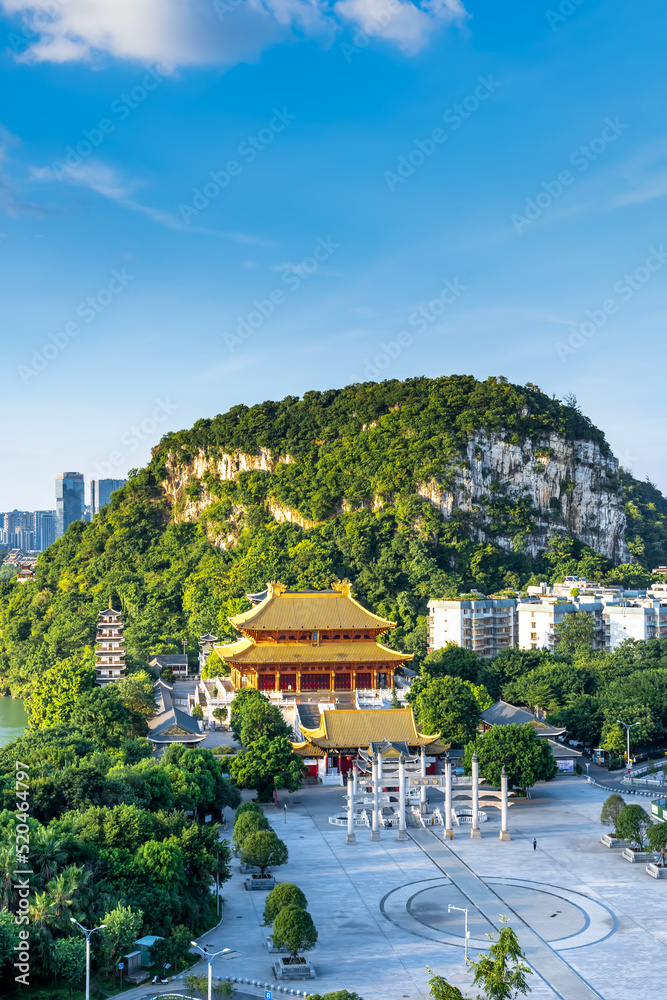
591, 924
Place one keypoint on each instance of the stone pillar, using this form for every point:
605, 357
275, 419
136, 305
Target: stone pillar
474, 832
350, 838
355, 778
375, 830
380, 776
402, 835
448, 798
423, 805
504, 832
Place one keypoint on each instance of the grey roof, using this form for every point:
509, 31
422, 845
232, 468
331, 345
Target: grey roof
504, 714
168, 716
168, 660
562, 751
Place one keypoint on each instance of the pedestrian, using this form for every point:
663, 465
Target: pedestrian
534, 843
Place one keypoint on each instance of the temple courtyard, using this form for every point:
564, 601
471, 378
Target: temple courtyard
591, 924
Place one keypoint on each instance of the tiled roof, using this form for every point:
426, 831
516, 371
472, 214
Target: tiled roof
309, 610
361, 727
504, 714
247, 652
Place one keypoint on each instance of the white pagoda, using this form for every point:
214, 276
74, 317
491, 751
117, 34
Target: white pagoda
109, 647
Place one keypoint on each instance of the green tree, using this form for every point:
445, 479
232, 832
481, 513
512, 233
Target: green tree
657, 838
293, 928
284, 894
9, 936
247, 823
198, 712
447, 705
576, 633
264, 849
440, 989
262, 720
633, 823
69, 960
454, 661
527, 756
611, 807
101, 715
123, 927
502, 972
57, 690
220, 714
248, 807
268, 765
335, 995
241, 699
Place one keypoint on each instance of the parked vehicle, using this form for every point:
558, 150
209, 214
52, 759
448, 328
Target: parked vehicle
575, 743
156, 981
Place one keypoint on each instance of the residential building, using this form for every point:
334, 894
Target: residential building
641, 620
310, 640
109, 647
45, 529
69, 500
486, 625
538, 620
100, 492
18, 530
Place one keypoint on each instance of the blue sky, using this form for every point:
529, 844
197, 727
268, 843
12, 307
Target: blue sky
401, 190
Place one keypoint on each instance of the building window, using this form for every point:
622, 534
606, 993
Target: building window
533, 636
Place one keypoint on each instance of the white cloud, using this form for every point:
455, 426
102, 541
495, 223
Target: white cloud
222, 32
110, 184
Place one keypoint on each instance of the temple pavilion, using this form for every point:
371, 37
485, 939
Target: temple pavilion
310, 640
344, 735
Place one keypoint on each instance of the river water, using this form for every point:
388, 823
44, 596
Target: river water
13, 720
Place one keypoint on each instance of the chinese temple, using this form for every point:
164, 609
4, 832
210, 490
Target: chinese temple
343, 735
109, 647
310, 640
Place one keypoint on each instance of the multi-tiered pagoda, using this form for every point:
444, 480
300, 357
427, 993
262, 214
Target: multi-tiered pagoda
310, 640
109, 647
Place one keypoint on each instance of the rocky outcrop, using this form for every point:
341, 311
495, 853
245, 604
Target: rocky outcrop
572, 487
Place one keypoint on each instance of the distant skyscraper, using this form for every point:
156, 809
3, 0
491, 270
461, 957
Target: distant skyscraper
18, 530
101, 490
69, 500
45, 529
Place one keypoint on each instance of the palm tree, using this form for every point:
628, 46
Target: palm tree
47, 854
63, 890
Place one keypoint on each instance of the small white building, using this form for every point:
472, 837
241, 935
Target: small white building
486, 625
538, 621
640, 620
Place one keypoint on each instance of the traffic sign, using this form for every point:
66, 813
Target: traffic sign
267, 994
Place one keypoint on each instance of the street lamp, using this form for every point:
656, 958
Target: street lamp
209, 956
628, 727
462, 909
88, 934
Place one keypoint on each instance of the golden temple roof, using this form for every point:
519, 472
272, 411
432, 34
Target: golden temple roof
360, 727
309, 610
248, 652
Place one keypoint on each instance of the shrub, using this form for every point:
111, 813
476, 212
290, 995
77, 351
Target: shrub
611, 807
294, 929
263, 849
248, 807
283, 895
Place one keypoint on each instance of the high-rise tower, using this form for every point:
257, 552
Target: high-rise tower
70, 500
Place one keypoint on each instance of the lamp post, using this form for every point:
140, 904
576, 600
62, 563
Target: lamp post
462, 909
628, 727
209, 956
88, 934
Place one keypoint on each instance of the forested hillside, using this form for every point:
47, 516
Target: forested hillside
357, 460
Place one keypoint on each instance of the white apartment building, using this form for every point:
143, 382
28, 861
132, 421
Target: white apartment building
486, 625
538, 620
641, 620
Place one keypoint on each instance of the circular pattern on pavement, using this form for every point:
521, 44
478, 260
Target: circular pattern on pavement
564, 918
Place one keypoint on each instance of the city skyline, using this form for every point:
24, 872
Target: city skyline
159, 189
